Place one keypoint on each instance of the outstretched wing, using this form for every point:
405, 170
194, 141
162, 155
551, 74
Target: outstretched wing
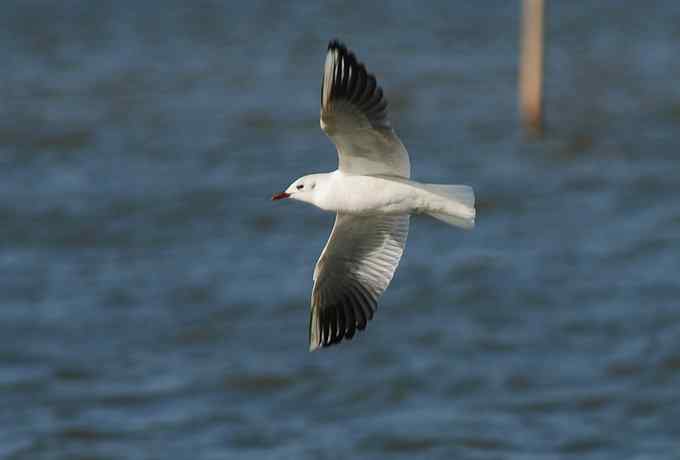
354, 116
353, 271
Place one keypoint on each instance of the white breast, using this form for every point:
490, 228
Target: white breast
370, 195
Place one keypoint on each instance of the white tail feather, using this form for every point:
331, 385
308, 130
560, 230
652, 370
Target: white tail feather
458, 206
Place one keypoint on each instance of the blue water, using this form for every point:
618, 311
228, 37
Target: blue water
155, 302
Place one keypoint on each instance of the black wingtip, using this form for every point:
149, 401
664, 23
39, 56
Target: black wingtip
353, 83
336, 44
342, 49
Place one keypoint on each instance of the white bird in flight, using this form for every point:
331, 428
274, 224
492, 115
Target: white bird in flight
372, 197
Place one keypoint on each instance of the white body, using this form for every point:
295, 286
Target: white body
385, 195
362, 195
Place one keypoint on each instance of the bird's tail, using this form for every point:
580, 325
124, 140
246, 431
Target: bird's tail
453, 204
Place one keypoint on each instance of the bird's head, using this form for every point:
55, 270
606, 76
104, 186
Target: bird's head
304, 189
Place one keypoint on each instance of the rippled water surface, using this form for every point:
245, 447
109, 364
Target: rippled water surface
155, 302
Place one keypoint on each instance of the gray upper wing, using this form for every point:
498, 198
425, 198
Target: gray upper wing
354, 116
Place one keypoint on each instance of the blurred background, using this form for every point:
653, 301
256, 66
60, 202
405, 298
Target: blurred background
154, 302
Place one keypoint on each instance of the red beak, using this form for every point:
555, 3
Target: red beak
280, 196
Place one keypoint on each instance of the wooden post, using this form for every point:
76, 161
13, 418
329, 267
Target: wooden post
531, 67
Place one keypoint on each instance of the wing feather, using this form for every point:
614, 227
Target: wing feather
354, 116
353, 271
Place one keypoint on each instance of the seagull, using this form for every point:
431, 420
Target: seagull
373, 199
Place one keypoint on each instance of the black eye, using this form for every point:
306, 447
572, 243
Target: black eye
300, 187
